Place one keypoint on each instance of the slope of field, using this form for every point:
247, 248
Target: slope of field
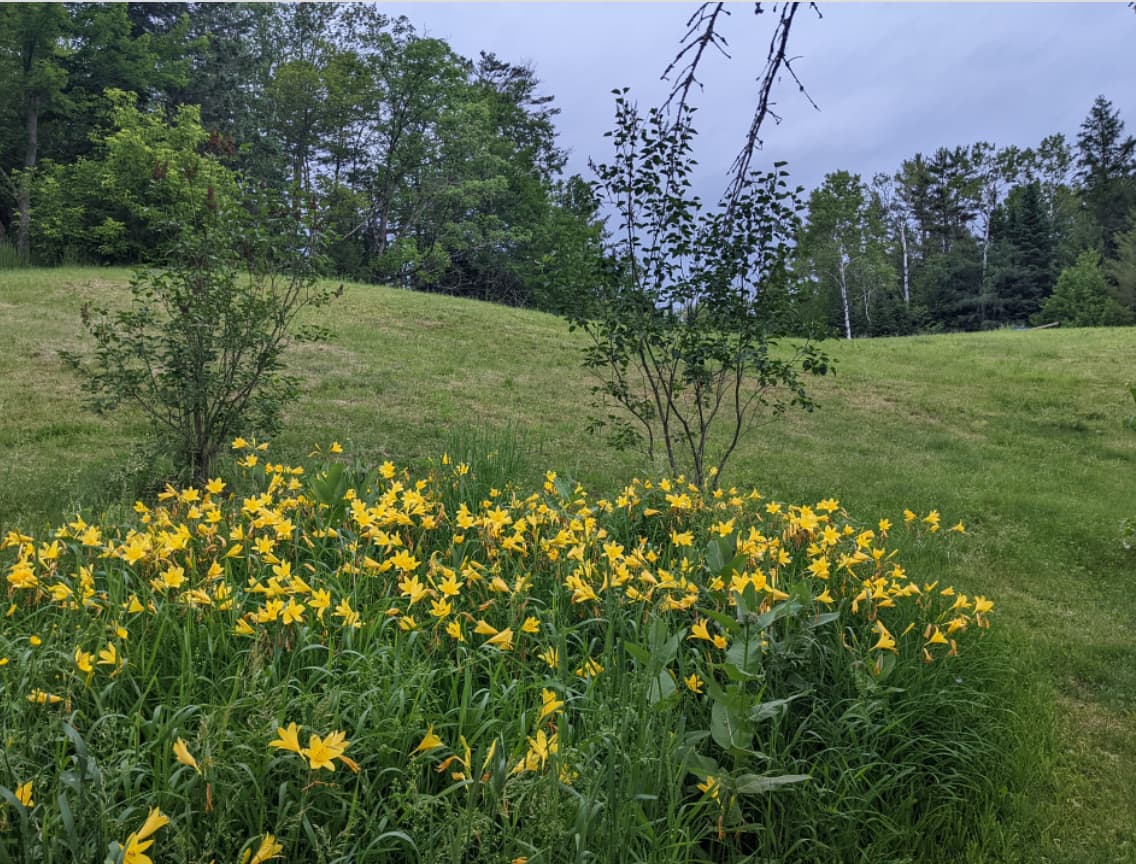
1021, 435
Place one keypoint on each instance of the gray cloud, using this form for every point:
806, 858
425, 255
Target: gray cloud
891, 80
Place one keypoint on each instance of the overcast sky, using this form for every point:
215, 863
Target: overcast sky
890, 79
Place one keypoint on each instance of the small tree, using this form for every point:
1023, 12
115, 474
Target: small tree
682, 333
1082, 299
200, 348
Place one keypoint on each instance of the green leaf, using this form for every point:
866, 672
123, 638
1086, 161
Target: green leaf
729, 623
638, 653
699, 765
821, 620
746, 656
884, 665
661, 688
728, 730
781, 610
771, 709
758, 784
330, 485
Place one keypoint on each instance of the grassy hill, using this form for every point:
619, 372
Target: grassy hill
1021, 435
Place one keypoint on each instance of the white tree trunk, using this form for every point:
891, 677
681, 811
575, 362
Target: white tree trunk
906, 276
843, 269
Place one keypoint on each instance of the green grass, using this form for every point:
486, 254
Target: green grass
1019, 434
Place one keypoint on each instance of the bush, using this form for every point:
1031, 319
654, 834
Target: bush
126, 200
1081, 298
200, 349
360, 665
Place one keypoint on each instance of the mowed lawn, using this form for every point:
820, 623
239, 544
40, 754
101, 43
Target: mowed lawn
1021, 435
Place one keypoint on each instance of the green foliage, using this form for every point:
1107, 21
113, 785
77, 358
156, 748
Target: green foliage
1021, 270
1082, 299
200, 350
1107, 167
682, 330
842, 254
639, 720
1121, 271
125, 202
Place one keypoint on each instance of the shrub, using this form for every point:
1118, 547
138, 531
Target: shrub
1081, 297
200, 349
126, 200
359, 665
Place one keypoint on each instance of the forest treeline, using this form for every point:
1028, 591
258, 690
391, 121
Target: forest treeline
980, 236
439, 172
429, 170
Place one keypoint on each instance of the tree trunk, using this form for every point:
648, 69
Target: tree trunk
844, 294
985, 248
906, 276
866, 298
24, 197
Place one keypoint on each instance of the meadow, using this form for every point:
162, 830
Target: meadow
1020, 438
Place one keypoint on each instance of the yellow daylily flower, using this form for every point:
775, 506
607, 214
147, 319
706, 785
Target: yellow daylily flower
936, 636
138, 842
886, 641
42, 697
503, 640
549, 704
429, 741
24, 795
698, 631
712, 787
182, 754
108, 656
268, 849
288, 739
83, 661
319, 753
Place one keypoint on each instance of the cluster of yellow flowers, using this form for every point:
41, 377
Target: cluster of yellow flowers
486, 576
320, 752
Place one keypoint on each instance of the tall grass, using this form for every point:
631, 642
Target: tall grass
9, 257
518, 673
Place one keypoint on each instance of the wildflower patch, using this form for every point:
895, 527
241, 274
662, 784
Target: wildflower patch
483, 663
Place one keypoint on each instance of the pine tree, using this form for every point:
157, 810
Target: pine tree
1107, 169
1023, 276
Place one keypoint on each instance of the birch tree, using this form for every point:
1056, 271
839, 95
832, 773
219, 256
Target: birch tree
843, 252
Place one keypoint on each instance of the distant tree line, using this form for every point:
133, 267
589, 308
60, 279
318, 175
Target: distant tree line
978, 237
428, 169
442, 173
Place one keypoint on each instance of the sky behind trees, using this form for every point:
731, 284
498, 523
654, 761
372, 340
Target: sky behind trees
890, 79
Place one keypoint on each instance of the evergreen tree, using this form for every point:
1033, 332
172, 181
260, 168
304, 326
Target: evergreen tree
1022, 275
1121, 271
1107, 169
949, 287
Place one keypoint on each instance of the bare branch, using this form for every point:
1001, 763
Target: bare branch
700, 34
703, 28
775, 59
